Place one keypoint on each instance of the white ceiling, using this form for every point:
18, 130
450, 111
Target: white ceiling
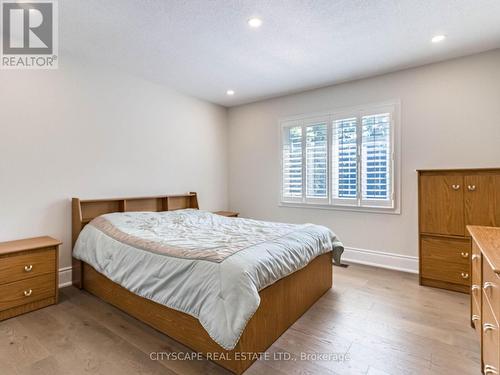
204, 47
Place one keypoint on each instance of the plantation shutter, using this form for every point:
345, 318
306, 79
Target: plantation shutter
292, 162
376, 160
316, 160
345, 161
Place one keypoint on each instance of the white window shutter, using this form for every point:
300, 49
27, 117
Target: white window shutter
376, 160
292, 179
316, 159
344, 161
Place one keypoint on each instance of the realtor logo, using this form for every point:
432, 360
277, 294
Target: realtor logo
29, 34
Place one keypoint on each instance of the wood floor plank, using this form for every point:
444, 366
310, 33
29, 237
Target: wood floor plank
19, 345
140, 335
7, 368
383, 320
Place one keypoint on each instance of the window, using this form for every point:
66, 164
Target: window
342, 159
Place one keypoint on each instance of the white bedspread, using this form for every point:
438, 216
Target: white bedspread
208, 266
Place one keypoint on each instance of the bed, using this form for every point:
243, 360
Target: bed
224, 287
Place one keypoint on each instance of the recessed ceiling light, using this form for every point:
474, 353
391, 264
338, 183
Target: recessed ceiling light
230, 92
255, 22
438, 38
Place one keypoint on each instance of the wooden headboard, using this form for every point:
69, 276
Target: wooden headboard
83, 211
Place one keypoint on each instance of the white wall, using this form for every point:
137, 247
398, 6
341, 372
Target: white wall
90, 132
450, 118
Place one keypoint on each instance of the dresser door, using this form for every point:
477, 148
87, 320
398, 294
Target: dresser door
442, 204
482, 200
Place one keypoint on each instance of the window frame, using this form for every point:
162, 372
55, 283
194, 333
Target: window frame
347, 204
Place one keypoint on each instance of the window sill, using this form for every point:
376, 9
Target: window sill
365, 209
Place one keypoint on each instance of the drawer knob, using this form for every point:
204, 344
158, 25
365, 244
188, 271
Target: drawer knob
471, 187
487, 285
475, 317
28, 293
455, 187
464, 255
464, 275
28, 268
488, 369
488, 327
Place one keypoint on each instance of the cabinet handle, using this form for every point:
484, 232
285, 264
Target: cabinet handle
455, 187
488, 327
488, 369
475, 317
27, 293
471, 187
28, 268
464, 255
464, 275
487, 285
475, 288
475, 256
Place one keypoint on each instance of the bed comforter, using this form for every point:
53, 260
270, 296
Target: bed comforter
205, 265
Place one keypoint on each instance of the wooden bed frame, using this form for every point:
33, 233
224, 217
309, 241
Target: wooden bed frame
281, 303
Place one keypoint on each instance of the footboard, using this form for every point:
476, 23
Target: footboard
281, 305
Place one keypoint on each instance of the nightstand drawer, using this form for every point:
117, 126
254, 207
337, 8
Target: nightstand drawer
227, 213
23, 292
25, 265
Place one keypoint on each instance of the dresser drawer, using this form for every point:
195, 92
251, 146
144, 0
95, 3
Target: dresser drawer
476, 317
446, 271
476, 286
25, 291
476, 298
25, 265
490, 338
446, 249
476, 264
491, 287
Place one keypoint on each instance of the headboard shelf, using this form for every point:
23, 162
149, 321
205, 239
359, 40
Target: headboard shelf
84, 211
135, 198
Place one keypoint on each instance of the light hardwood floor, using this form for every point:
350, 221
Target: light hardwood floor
385, 321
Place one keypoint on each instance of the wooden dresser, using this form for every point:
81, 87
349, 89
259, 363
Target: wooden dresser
449, 200
485, 295
28, 275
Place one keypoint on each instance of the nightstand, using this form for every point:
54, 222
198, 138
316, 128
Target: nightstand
28, 275
227, 213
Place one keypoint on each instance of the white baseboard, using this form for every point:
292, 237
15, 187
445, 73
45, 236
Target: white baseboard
65, 277
381, 259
